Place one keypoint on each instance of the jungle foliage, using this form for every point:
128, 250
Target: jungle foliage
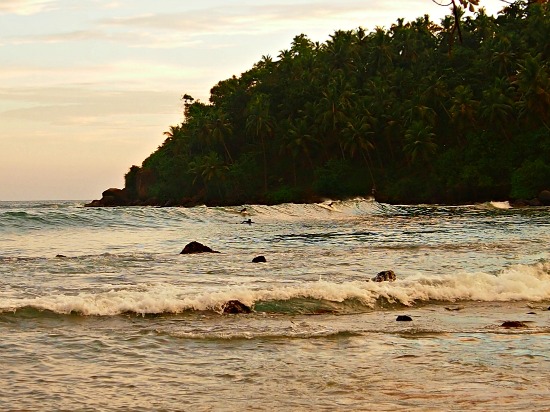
413, 111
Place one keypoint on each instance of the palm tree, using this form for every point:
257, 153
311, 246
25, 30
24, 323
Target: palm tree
209, 168
381, 54
220, 130
503, 56
419, 142
463, 109
533, 83
260, 125
356, 139
497, 105
419, 111
173, 132
332, 111
299, 141
339, 51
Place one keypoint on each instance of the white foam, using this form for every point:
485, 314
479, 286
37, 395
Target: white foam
501, 205
517, 283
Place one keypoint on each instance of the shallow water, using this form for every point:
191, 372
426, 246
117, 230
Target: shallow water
99, 311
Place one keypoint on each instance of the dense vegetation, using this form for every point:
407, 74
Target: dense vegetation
414, 111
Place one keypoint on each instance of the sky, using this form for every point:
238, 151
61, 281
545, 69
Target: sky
88, 87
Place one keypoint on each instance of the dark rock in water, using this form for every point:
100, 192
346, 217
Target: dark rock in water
196, 247
94, 203
259, 259
528, 202
385, 276
544, 197
111, 197
235, 307
403, 318
513, 324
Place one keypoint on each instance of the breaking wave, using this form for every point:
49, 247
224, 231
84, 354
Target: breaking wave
517, 283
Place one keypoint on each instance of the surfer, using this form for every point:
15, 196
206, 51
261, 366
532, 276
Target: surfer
248, 222
243, 211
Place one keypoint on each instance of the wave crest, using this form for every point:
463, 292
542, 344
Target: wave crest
517, 283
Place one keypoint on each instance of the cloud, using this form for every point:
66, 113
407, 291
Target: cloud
130, 39
25, 7
243, 19
191, 25
188, 27
65, 106
123, 74
263, 17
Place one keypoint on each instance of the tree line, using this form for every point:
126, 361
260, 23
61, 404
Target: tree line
412, 112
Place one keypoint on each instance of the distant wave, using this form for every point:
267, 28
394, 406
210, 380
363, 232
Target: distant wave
42, 204
517, 283
34, 216
501, 205
494, 205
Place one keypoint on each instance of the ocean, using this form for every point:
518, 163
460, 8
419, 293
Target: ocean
99, 311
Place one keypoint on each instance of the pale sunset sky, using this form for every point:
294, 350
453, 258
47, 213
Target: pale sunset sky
87, 87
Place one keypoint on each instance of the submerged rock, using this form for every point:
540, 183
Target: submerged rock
385, 276
259, 259
513, 324
196, 247
235, 307
403, 318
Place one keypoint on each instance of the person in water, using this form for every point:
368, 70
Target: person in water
248, 221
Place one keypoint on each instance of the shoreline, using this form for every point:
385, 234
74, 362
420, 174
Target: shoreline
115, 197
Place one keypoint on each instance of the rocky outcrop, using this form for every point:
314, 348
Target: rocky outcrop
196, 247
259, 259
235, 307
525, 203
385, 276
111, 197
544, 197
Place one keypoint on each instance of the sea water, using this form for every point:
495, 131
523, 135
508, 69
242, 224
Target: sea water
100, 311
